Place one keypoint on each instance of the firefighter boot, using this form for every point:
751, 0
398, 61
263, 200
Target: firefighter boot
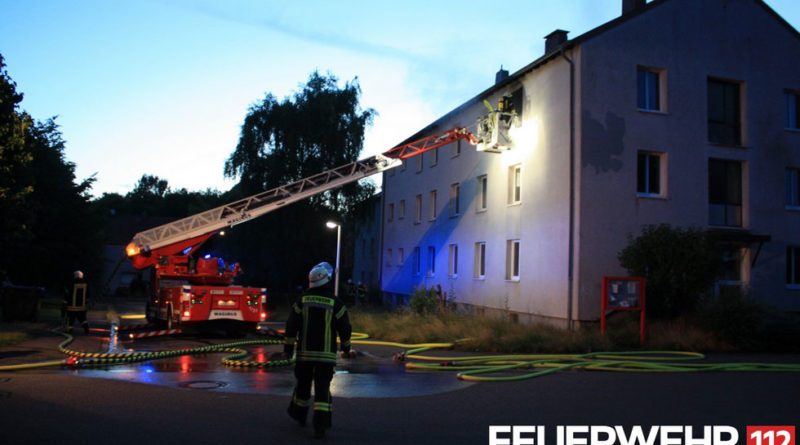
322, 419
298, 410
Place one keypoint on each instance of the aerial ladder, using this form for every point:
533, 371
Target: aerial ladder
182, 287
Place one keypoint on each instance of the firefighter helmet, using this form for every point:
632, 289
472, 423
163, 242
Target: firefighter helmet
78, 275
320, 274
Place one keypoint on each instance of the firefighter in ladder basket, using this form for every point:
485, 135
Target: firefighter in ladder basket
75, 303
314, 321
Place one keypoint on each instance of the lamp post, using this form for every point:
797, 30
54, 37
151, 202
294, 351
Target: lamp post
338, 227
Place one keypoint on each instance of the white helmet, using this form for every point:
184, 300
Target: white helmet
320, 274
78, 275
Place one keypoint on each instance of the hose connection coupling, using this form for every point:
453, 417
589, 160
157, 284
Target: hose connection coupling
451, 363
399, 357
72, 361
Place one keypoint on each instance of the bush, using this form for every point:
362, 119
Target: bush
423, 300
680, 265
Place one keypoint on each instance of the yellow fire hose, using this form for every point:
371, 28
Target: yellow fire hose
474, 368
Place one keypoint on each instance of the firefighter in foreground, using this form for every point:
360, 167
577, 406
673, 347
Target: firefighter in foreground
314, 321
75, 302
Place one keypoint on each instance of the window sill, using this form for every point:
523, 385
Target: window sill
720, 145
792, 130
515, 204
481, 211
479, 278
512, 280
719, 227
793, 287
793, 208
452, 277
651, 196
657, 112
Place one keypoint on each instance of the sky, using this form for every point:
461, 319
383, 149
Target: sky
162, 87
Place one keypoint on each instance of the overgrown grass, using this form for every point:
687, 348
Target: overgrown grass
492, 335
13, 338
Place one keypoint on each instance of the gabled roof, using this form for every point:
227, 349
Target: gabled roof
433, 126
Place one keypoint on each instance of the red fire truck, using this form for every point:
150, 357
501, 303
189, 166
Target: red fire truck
188, 289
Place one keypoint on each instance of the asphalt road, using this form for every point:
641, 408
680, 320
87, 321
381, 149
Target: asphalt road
54, 406
38, 407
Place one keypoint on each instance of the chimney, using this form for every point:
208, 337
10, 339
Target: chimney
501, 75
553, 40
629, 6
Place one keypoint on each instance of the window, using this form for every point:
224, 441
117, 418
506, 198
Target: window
434, 156
391, 211
452, 260
481, 189
419, 162
415, 261
432, 205
455, 200
793, 187
725, 193
731, 269
649, 174
793, 266
431, 270
388, 257
455, 148
400, 256
792, 99
649, 89
514, 184
479, 269
417, 209
724, 112
512, 260
401, 209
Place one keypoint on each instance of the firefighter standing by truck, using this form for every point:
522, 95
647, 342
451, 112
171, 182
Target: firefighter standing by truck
314, 321
75, 302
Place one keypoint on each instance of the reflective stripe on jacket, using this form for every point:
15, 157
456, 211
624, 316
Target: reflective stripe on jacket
77, 301
314, 322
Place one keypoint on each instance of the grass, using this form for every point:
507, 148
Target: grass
492, 335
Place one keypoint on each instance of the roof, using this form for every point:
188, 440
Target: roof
569, 44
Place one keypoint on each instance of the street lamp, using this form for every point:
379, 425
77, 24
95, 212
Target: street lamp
338, 227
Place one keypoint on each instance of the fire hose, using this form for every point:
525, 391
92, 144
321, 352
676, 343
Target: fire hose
473, 368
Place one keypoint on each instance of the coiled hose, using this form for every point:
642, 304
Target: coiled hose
86, 359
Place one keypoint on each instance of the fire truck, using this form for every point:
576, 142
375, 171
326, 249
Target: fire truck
186, 289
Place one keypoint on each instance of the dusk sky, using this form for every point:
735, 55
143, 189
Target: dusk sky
162, 87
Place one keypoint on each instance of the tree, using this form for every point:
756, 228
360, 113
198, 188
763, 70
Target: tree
47, 228
318, 128
679, 265
14, 160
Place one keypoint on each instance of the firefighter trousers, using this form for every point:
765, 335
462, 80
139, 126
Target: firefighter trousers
320, 375
79, 316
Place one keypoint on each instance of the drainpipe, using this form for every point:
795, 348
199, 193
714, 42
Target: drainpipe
571, 252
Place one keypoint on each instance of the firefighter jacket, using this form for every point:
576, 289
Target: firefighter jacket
314, 321
77, 296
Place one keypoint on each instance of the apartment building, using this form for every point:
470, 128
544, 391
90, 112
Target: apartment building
679, 111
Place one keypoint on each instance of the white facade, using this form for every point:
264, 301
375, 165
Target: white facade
635, 135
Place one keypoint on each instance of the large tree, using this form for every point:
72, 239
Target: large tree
14, 162
47, 228
319, 127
